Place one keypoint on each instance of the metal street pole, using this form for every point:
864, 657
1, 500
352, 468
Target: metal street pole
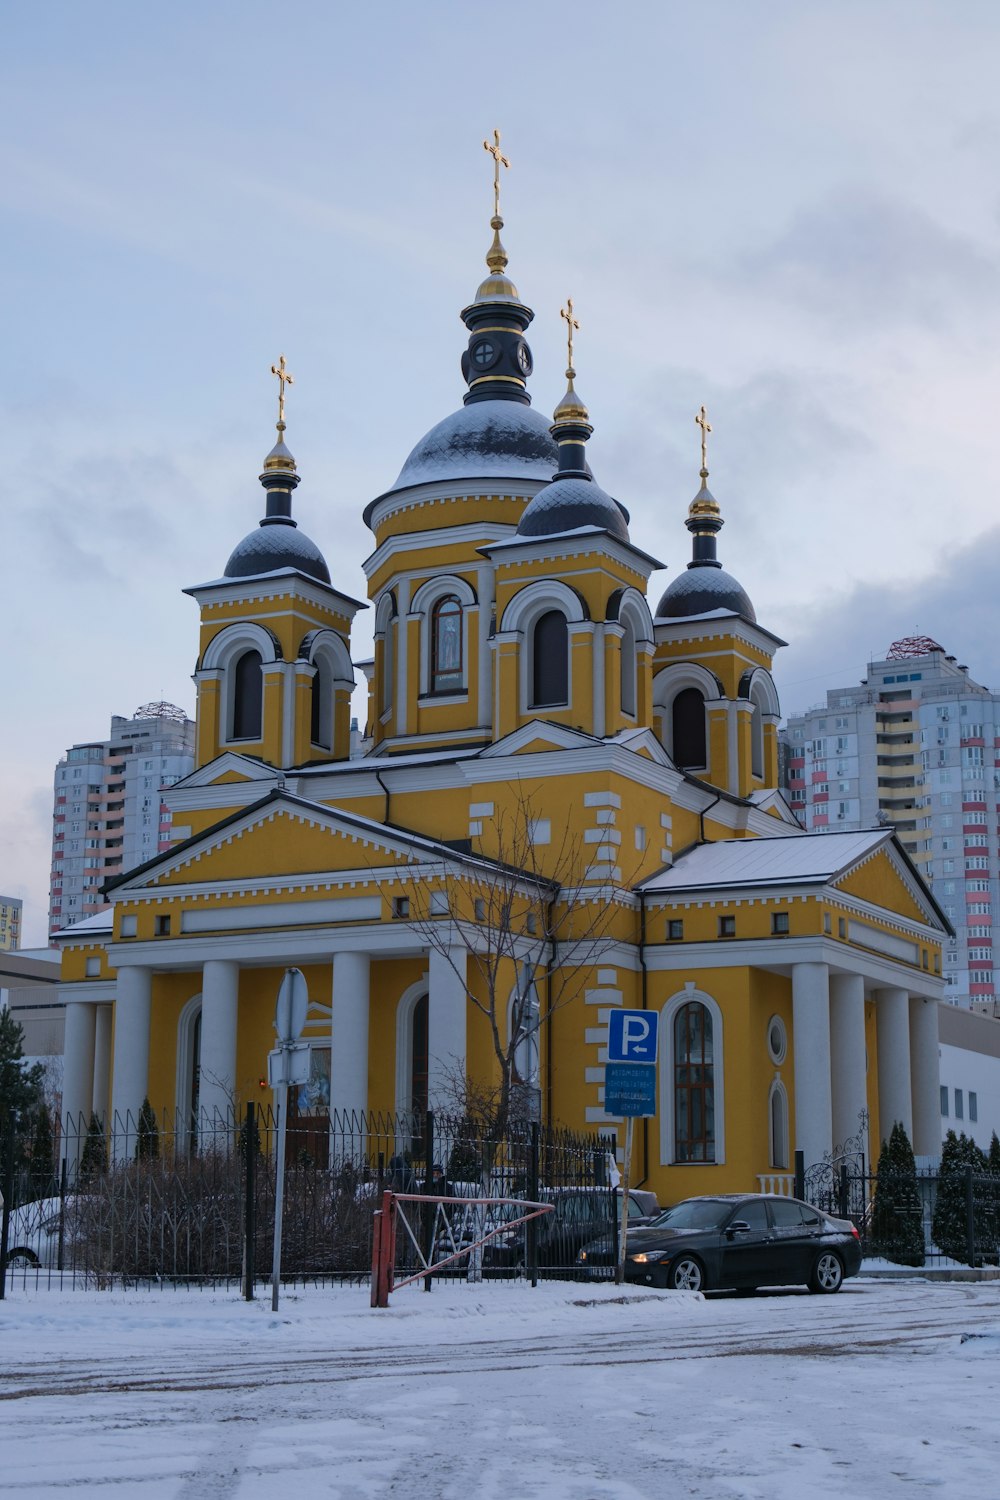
279, 1191
623, 1228
285, 1065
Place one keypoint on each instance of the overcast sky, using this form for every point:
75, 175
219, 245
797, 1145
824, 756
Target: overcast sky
787, 211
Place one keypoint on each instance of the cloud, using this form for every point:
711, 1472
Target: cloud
869, 260
957, 604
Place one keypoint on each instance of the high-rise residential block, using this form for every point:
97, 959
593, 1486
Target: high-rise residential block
915, 746
108, 815
10, 922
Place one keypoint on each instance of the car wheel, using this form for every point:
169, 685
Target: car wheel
686, 1275
828, 1273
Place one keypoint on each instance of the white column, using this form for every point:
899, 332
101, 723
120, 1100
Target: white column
484, 581
446, 1026
133, 992
102, 1062
78, 1078
925, 1076
892, 1015
220, 984
349, 1033
402, 649
598, 717
811, 1041
848, 1055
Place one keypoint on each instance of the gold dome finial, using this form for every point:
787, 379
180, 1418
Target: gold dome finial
704, 503
279, 456
499, 160
497, 284
570, 408
701, 420
285, 378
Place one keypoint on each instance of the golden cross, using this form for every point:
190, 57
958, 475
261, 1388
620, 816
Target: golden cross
702, 421
499, 160
283, 379
571, 324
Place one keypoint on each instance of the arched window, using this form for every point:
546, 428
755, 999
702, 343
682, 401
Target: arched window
694, 1084
687, 726
523, 1021
446, 645
321, 732
550, 661
628, 666
248, 696
418, 1058
388, 667
188, 1080
757, 733
779, 1126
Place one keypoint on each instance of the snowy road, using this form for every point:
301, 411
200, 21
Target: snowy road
501, 1393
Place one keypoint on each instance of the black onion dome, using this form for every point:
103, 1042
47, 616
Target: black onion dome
271, 547
501, 439
567, 504
278, 542
699, 590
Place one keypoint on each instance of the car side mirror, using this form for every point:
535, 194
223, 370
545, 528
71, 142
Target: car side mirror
738, 1226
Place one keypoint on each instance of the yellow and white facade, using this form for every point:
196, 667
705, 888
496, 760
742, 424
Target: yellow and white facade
521, 681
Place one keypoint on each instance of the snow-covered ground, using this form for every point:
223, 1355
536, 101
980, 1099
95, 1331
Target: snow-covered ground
501, 1393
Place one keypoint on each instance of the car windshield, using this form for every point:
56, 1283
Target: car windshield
694, 1213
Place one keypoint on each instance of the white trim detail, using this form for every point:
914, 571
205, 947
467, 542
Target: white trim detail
216, 918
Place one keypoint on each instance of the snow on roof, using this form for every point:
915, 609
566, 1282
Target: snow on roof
810, 857
502, 439
101, 921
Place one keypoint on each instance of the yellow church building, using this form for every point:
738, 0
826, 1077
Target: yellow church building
566, 802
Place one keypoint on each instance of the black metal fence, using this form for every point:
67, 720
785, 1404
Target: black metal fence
154, 1199
924, 1218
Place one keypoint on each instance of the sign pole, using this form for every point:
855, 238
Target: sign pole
279, 1193
287, 1063
623, 1227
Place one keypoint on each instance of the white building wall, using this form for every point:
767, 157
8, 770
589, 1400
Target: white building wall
970, 1066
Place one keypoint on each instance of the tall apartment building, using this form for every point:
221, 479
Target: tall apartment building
10, 922
915, 745
108, 815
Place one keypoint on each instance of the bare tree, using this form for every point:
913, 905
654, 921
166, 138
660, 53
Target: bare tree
522, 933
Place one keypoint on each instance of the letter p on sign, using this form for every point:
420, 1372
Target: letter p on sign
632, 1036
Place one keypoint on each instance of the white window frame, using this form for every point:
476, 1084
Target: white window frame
667, 1014
422, 605
778, 1091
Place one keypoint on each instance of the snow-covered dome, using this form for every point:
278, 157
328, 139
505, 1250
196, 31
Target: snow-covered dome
273, 546
567, 504
701, 589
486, 439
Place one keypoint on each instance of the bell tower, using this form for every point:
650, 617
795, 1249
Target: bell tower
274, 675
715, 705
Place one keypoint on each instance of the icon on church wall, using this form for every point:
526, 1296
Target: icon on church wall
315, 1095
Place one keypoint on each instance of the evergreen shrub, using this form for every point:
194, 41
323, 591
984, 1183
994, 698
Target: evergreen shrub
897, 1222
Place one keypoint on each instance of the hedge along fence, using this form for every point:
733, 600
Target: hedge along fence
157, 1200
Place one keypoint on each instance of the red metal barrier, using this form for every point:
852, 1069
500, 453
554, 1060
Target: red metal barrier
390, 1214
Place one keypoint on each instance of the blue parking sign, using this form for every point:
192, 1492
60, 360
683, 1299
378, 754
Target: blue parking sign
630, 1089
632, 1036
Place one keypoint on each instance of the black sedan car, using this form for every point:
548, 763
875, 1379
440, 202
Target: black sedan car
729, 1240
